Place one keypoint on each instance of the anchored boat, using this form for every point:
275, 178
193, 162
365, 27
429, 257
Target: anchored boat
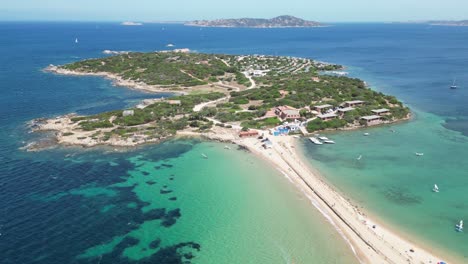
454, 86
459, 227
326, 140
315, 141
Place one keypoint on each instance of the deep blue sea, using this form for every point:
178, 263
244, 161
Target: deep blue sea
416, 63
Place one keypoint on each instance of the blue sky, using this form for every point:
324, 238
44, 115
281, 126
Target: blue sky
173, 10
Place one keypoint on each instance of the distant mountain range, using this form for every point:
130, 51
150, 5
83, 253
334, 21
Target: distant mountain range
277, 22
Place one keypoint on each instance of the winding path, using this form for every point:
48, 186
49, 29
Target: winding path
199, 107
252, 82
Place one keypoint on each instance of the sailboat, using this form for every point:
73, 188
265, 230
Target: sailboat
459, 227
436, 188
454, 86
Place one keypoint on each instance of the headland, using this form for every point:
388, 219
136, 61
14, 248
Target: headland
279, 94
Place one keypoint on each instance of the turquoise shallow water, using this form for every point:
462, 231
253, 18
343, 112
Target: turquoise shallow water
394, 184
162, 203
236, 208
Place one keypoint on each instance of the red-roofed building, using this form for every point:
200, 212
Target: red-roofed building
287, 112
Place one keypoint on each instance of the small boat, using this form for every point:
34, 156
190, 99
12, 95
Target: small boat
454, 86
170, 45
315, 141
366, 134
436, 188
76, 40
227, 147
204, 156
419, 154
323, 138
329, 141
459, 227
360, 157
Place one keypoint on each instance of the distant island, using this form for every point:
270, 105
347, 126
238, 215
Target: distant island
460, 23
455, 23
276, 22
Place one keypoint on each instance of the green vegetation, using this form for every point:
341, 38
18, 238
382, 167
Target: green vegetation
159, 68
294, 82
318, 124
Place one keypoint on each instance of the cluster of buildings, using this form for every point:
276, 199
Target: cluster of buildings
327, 112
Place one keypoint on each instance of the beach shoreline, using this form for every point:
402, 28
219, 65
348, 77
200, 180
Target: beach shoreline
379, 244
371, 244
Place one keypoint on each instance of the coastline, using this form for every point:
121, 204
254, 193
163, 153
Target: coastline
116, 80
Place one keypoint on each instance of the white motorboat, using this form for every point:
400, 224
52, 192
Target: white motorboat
366, 134
323, 138
328, 141
459, 227
419, 154
360, 157
204, 156
436, 188
315, 141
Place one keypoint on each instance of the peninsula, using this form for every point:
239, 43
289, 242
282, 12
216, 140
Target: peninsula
280, 95
276, 22
254, 101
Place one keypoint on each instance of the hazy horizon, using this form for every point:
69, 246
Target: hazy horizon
184, 10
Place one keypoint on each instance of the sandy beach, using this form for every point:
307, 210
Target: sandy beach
371, 242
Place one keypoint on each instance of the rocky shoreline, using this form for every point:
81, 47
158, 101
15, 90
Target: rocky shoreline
117, 80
